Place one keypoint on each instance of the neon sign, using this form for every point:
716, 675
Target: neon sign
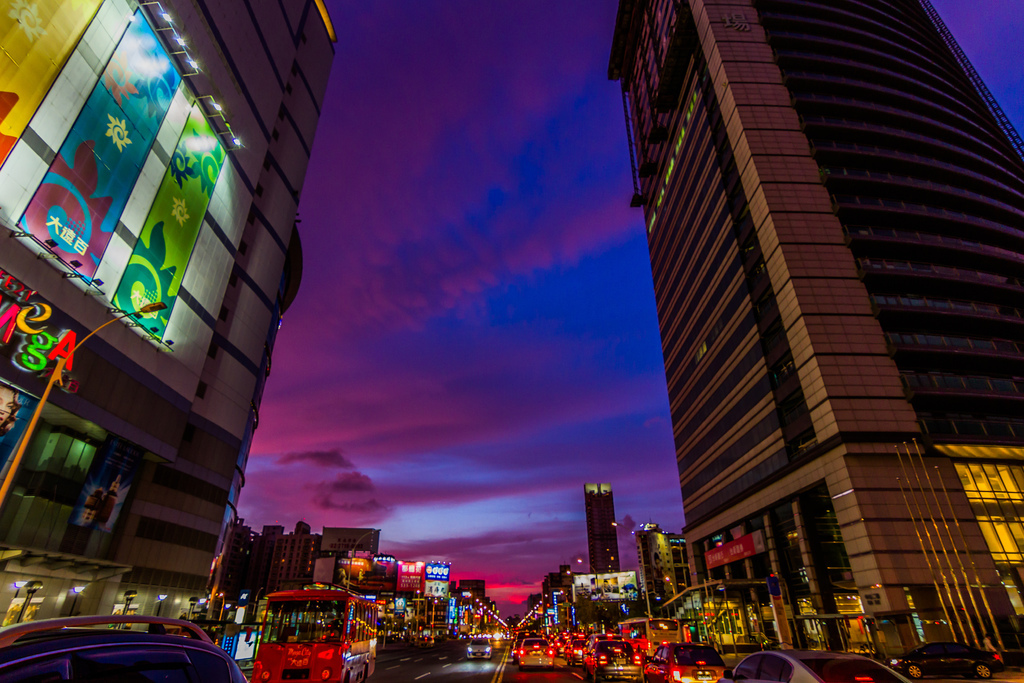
27, 332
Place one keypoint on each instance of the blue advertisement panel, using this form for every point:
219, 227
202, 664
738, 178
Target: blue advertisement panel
81, 198
16, 408
107, 484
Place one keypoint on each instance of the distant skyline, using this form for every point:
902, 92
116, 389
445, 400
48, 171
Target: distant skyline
475, 336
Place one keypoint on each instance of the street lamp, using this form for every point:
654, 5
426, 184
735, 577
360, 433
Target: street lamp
191, 606
160, 602
18, 585
348, 571
58, 376
129, 595
74, 599
31, 588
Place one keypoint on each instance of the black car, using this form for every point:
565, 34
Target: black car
948, 659
87, 648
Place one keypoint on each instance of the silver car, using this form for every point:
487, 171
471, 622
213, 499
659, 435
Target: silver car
810, 666
479, 649
536, 652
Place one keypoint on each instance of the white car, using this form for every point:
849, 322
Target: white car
810, 666
479, 649
536, 652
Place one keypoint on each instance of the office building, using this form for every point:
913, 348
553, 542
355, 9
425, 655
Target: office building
661, 565
152, 156
833, 202
602, 542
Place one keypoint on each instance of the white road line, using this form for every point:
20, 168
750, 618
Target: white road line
392, 667
577, 675
448, 664
442, 658
418, 660
421, 676
404, 659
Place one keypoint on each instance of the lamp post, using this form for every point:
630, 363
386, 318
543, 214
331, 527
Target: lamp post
129, 595
74, 599
31, 588
18, 585
348, 572
160, 602
191, 606
58, 376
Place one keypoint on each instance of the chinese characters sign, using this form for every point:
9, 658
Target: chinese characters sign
81, 198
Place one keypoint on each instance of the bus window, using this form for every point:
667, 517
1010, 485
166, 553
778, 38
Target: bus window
303, 621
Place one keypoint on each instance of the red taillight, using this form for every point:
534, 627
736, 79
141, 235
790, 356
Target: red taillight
636, 659
551, 651
701, 662
602, 659
864, 679
998, 657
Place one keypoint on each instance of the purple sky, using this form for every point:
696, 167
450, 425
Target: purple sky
475, 336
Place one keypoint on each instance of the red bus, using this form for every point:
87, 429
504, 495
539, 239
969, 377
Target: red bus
317, 635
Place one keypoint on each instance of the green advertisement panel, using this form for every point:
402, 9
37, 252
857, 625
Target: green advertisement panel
158, 262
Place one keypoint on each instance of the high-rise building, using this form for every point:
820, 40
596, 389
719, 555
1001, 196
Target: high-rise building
340, 541
152, 157
292, 561
602, 542
660, 564
834, 206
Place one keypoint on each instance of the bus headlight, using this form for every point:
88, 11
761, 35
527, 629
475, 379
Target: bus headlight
265, 675
325, 674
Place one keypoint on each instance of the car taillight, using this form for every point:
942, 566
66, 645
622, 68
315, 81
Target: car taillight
602, 659
636, 658
551, 651
702, 662
677, 674
998, 657
863, 679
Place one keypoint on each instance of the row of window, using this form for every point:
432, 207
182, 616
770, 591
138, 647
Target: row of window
168, 532
937, 380
950, 305
955, 342
994, 427
935, 269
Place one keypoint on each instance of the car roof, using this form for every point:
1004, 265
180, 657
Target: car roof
78, 626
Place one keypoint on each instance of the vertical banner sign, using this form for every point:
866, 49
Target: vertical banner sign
36, 37
158, 261
83, 194
107, 484
16, 410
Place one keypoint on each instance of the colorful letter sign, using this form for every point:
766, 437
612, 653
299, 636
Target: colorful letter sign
36, 37
80, 200
158, 261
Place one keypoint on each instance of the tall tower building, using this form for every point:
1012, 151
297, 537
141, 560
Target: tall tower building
602, 542
152, 156
834, 205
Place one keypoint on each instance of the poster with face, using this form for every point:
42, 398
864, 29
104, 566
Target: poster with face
16, 408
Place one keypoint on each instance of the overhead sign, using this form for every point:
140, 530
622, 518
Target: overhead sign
437, 571
742, 548
410, 576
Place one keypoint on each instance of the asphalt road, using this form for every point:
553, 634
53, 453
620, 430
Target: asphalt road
446, 662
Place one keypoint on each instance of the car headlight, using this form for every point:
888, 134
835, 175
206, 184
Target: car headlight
893, 662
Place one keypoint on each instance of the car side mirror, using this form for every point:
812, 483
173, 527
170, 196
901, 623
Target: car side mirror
727, 674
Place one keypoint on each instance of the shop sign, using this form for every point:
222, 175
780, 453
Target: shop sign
30, 334
742, 548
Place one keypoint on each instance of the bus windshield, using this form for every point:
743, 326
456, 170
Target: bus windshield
664, 625
305, 621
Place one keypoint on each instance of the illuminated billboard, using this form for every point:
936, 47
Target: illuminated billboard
37, 38
158, 261
410, 576
617, 586
77, 207
437, 571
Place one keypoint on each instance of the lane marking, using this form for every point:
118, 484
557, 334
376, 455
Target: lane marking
448, 664
442, 658
421, 676
418, 660
500, 669
405, 659
392, 667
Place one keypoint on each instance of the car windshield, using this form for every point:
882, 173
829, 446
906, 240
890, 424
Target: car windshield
849, 670
535, 643
698, 656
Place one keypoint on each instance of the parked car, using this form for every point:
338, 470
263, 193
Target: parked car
613, 659
948, 659
87, 648
684, 661
536, 652
479, 649
574, 653
811, 666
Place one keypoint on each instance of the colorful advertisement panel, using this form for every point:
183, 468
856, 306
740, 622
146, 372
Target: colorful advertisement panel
106, 486
82, 196
16, 408
36, 37
158, 261
437, 571
436, 589
32, 333
410, 577
617, 586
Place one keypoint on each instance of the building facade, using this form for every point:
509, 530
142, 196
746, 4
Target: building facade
152, 156
661, 565
602, 541
834, 205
